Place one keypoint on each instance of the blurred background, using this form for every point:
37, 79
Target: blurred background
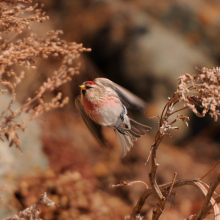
144, 46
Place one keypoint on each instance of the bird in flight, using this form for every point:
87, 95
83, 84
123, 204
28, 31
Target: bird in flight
105, 103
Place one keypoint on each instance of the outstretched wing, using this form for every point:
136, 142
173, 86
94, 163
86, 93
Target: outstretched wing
127, 98
95, 129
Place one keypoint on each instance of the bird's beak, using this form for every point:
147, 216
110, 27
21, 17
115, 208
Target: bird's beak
82, 87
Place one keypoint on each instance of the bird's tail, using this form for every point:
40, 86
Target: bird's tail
138, 129
127, 138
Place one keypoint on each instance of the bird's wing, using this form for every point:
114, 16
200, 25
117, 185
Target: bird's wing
95, 129
127, 98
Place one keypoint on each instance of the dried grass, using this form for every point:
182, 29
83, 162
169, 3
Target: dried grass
200, 94
16, 17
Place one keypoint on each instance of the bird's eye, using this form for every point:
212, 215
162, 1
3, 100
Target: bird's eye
88, 87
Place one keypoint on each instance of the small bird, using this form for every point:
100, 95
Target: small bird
104, 103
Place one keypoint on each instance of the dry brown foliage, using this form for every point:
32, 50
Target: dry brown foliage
201, 94
16, 17
33, 211
206, 90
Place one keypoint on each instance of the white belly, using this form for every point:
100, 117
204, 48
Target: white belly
108, 114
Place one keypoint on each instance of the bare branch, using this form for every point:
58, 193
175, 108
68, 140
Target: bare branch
172, 184
123, 183
209, 170
208, 199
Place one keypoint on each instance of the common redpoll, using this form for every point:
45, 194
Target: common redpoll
104, 103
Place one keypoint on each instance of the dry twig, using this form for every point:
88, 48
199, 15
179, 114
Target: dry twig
200, 94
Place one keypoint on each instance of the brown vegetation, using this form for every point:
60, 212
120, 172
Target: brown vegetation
199, 93
16, 51
71, 193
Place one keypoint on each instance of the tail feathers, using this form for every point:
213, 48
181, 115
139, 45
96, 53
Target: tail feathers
128, 137
143, 129
126, 142
134, 134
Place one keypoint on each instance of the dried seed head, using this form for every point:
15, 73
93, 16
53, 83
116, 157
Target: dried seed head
206, 86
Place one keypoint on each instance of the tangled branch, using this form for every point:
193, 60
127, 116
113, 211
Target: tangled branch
201, 94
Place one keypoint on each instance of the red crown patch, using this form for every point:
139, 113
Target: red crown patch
90, 82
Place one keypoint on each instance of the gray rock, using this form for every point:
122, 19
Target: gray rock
14, 164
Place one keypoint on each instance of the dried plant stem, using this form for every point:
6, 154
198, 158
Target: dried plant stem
7, 41
210, 170
164, 188
123, 183
154, 165
153, 182
200, 94
210, 206
179, 110
172, 184
208, 197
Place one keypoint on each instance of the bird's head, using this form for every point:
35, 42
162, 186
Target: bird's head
87, 85
91, 91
